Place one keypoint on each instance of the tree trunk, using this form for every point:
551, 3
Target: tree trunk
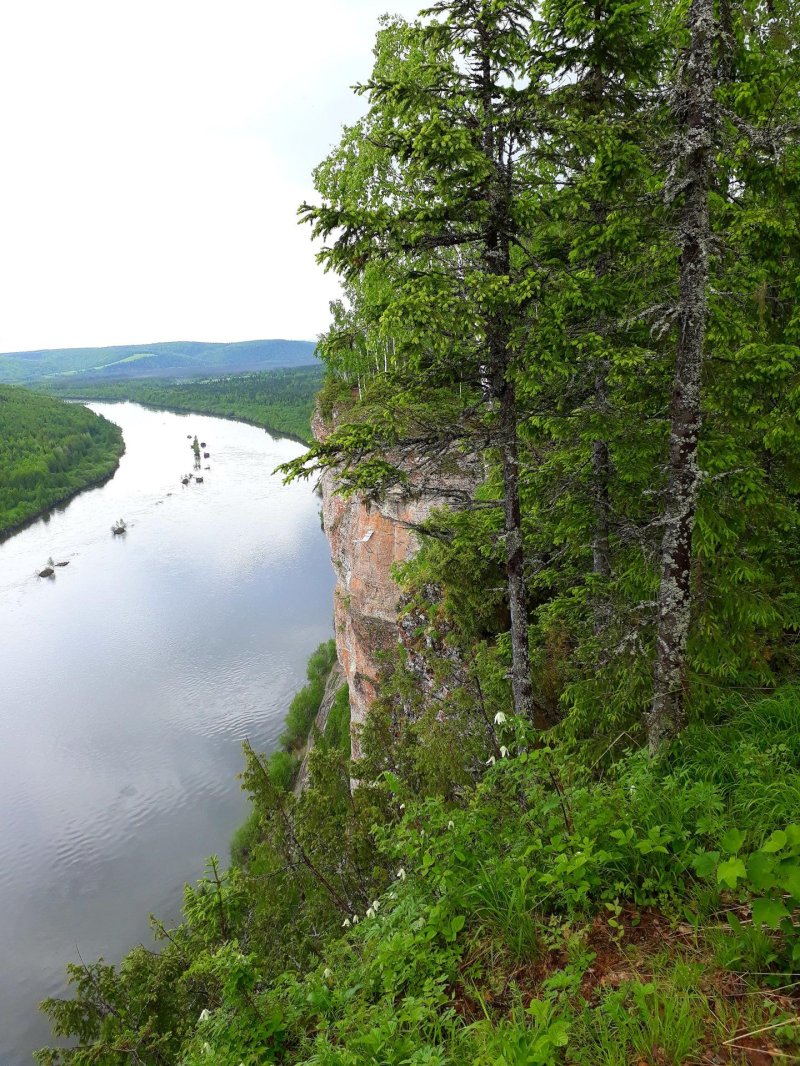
521, 685
667, 712
601, 474
601, 457
497, 261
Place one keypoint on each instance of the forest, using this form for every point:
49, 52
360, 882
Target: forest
569, 241
179, 359
278, 400
49, 451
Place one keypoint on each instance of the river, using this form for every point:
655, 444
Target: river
128, 682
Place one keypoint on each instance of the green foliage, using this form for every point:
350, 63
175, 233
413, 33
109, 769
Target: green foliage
653, 1021
771, 874
584, 307
245, 837
305, 705
49, 451
278, 400
337, 728
376, 927
532, 888
280, 768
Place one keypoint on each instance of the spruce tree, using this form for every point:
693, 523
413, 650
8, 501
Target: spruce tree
455, 117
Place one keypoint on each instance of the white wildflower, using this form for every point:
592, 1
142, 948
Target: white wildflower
402, 806
499, 718
451, 824
401, 874
392, 895
346, 923
490, 761
327, 973
370, 912
376, 905
504, 752
355, 919
204, 1015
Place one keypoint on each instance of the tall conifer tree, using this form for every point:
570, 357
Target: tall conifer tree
460, 137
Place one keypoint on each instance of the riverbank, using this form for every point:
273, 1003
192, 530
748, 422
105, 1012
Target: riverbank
129, 682
275, 431
50, 451
279, 401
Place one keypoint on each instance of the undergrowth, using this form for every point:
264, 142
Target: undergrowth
634, 912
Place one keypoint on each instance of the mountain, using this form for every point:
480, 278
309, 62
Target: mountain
178, 359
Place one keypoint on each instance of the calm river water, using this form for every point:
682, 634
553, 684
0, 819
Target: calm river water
128, 682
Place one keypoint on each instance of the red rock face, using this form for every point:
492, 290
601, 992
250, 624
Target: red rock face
365, 543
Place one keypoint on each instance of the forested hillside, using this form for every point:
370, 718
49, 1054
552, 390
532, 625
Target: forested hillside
173, 358
278, 400
49, 451
570, 243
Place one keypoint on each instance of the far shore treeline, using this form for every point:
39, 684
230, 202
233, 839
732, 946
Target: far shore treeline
49, 451
278, 400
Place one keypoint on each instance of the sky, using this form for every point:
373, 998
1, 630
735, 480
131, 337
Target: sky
154, 154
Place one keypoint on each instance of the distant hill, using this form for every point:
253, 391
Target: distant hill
178, 359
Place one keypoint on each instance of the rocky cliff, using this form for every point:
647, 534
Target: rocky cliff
366, 541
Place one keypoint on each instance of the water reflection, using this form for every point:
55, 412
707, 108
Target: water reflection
128, 681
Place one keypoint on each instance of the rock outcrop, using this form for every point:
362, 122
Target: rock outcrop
366, 541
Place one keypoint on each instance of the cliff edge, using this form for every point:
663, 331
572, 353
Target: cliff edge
366, 540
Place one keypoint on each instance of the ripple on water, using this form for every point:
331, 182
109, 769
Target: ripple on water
128, 684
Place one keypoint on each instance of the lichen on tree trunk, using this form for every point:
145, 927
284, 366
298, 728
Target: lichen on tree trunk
666, 714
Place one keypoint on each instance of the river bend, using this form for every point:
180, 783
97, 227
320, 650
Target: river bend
128, 682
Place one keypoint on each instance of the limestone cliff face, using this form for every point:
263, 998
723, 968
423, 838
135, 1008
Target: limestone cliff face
366, 540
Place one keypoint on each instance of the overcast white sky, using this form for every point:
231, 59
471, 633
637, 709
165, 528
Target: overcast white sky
154, 153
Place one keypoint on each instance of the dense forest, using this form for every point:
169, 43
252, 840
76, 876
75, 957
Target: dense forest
49, 451
278, 400
166, 358
569, 238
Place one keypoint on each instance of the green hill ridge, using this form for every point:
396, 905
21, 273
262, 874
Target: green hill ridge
163, 359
